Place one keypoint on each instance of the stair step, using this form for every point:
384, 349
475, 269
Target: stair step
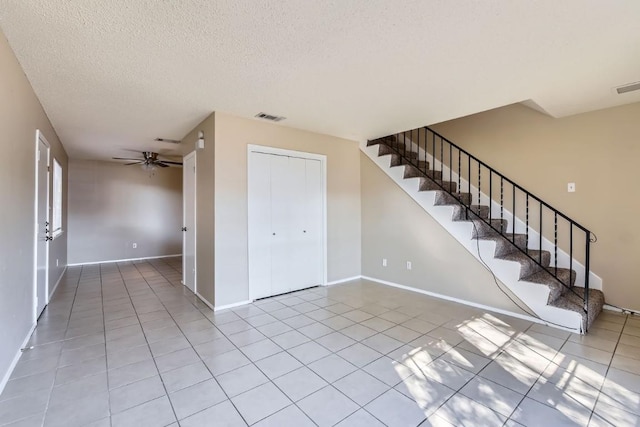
436, 184
573, 302
460, 212
545, 277
384, 149
443, 198
384, 140
505, 242
420, 164
527, 265
495, 226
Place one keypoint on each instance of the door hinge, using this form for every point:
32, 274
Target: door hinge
48, 168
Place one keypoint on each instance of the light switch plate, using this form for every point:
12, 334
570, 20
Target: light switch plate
571, 187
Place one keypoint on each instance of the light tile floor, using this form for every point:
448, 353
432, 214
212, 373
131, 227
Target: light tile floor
126, 345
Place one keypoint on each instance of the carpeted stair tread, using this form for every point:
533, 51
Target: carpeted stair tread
384, 149
505, 242
573, 302
545, 277
527, 265
437, 185
422, 165
460, 212
444, 199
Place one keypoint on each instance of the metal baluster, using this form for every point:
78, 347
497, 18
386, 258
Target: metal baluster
459, 169
450, 164
555, 241
442, 160
587, 272
501, 199
540, 255
490, 192
527, 215
513, 215
570, 252
479, 183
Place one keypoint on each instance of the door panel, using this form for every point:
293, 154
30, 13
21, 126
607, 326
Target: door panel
298, 259
189, 222
260, 235
312, 246
42, 237
280, 224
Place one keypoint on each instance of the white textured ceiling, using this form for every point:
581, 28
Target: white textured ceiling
115, 74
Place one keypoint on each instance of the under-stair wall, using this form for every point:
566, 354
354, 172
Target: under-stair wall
530, 265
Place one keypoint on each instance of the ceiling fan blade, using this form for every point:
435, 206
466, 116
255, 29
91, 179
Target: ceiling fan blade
125, 158
162, 165
170, 162
134, 163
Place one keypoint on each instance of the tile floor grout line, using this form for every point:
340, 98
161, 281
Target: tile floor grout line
106, 360
46, 410
152, 358
604, 379
199, 357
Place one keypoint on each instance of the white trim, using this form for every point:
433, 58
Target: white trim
204, 300
322, 158
469, 303
347, 279
123, 260
620, 309
235, 304
16, 358
55, 287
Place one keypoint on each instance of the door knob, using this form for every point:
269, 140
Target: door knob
304, 231
184, 228
274, 234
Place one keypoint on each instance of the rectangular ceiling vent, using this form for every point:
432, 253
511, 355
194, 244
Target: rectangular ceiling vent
270, 117
171, 141
628, 88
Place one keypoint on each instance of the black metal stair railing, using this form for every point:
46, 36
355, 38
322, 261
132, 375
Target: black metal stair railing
423, 147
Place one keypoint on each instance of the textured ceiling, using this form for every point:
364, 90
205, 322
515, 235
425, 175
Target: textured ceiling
115, 74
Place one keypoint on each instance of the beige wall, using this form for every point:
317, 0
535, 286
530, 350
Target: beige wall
233, 134
398, 229
599, 151
205, 213
112, 206
20, 115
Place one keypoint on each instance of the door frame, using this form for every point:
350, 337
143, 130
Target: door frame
195, 224
40, 137
253, 148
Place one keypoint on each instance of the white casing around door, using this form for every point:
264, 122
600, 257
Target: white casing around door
189, 222
286, 223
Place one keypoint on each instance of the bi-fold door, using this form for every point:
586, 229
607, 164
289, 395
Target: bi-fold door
286, 224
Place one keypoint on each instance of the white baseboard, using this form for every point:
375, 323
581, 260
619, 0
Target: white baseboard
235, 304
123, 260
53, 291
207, 303
460, 301
620, 309
14, 362
348, 279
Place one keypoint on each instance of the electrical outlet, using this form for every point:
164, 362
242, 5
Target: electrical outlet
408, 265
134, 246
571, 187
384, 262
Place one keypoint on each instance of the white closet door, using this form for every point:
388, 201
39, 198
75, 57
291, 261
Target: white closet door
281, 184
313, 231
299, 261
260, 235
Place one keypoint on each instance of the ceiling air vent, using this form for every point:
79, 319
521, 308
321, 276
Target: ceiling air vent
628, 88
269, 117
171, 141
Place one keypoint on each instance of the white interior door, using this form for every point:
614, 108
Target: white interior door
42, 226
189, 221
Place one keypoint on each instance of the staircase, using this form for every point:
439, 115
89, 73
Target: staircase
540, 254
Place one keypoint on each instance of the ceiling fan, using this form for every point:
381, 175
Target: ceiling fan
150, 161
